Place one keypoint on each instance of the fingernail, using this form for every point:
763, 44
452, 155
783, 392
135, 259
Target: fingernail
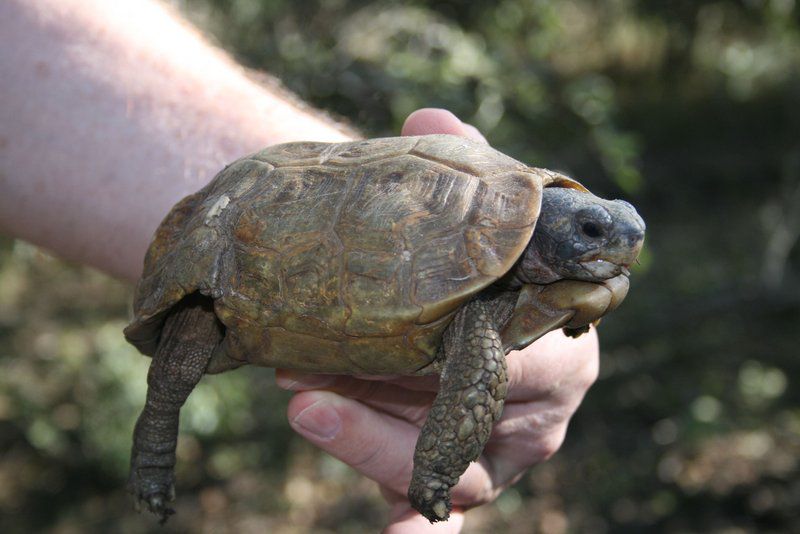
320, 420
474, 134
299, 381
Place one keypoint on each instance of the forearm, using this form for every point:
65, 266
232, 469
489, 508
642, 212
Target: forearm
110, 112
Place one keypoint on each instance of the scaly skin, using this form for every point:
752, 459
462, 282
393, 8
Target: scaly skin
472, 390
190, 334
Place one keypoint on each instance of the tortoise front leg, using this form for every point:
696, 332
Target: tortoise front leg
472, 390
188, 339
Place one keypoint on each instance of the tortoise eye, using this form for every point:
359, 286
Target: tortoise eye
591, 229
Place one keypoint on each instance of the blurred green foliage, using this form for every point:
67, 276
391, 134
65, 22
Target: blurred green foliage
690, 110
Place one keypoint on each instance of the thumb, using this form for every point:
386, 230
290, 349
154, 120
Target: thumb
404, 520
439, 121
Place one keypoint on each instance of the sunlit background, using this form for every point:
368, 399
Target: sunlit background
689, 109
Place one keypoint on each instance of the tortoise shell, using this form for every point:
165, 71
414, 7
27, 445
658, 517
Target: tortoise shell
342, 258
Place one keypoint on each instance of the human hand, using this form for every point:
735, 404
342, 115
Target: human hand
372, 423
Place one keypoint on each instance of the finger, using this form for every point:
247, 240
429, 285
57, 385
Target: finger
555, 366
299, 381
415, 383
528, 434
411, 406
405, 520
378, 445
474, 133
438, 121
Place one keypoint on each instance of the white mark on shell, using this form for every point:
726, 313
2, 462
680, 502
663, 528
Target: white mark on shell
406, 255
213, 212
329, 152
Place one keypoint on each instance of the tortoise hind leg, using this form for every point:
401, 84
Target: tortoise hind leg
190, 334
472, 390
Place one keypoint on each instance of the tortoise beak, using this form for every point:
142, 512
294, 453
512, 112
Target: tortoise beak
619, 253
628, 243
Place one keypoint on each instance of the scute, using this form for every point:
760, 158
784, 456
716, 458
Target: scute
188, 250
336, 248
345, 154
466, 155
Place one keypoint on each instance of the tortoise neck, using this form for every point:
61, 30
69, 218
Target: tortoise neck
532, 268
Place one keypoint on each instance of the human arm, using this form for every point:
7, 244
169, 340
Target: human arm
110, 112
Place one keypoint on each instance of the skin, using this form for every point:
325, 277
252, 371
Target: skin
140, 112
190, 111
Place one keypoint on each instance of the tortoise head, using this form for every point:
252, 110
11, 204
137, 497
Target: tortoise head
579, 236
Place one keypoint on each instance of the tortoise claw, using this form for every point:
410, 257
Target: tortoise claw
153, 492
434, 505
156, 504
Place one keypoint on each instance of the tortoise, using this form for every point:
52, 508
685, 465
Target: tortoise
402, 256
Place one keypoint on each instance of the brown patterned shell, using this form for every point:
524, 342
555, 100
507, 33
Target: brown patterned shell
349, 257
